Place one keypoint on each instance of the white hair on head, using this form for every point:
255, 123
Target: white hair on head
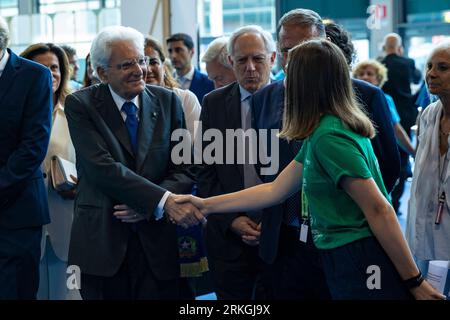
217, 49
102, 44
442, 45
389, 42
267, 38
4, 34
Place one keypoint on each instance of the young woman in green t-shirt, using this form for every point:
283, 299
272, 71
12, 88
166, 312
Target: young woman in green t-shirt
364, 253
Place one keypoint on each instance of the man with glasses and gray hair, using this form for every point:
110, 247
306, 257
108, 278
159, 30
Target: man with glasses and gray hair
122, 236
218, 67
26, 112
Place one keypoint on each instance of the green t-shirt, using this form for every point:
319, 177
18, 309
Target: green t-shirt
330, 153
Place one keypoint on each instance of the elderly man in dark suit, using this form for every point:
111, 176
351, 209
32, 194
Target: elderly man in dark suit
122, 238
230, 239
26, 106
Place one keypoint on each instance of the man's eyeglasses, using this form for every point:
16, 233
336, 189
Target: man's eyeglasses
127, 65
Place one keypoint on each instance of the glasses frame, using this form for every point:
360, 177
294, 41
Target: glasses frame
129, 64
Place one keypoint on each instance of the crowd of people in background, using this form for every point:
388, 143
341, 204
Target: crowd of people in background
140, 225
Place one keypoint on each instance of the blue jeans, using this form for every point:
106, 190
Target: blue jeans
346, 271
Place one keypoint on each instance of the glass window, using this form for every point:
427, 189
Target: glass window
71, 22
53, 6
227, 15
9, 8
26, 30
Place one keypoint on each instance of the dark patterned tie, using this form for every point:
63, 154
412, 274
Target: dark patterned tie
131, 123
251, 178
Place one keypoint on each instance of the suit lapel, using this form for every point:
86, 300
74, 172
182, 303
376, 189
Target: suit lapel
150, 109
112, 117
8, 74
234, 118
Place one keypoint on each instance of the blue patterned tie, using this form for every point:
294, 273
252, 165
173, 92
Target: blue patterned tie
131, 123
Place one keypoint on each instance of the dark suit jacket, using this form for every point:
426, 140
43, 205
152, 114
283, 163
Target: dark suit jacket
201, 85
267, 110
110, 174
26, 106
401, 73
221, 110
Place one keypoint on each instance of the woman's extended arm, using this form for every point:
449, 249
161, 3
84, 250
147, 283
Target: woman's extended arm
254, 198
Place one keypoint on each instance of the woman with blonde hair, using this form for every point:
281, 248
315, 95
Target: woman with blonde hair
353, 224
375, 73
56, 236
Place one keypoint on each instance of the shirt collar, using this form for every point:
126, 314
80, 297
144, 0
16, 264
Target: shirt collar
120, 101
4, 61
189, 75
245, 94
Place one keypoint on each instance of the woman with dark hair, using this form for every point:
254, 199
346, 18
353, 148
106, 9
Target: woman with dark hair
340, 37
89, 78
364, 253
55, 245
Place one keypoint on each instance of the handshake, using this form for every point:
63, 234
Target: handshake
184, 210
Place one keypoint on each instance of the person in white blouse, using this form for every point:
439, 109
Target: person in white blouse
157, 74
428, 223
56, 236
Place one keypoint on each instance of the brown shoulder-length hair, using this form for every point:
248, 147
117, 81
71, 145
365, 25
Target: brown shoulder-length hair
169, 81
318, 83
41, 48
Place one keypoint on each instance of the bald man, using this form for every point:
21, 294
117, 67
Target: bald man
401, 73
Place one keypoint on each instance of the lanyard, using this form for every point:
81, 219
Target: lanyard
305, 206
442, 196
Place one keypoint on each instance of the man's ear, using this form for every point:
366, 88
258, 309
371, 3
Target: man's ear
102, 74
273, 56
230, 61
191, 52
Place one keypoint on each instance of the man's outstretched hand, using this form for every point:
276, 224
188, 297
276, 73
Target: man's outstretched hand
182, 211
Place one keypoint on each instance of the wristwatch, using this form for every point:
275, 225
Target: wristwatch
414, 281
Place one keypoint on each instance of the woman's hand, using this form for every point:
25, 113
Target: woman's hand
426, 292
199, 203
69, 194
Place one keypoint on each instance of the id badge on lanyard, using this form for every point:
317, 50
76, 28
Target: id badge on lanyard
440, 208
305, 216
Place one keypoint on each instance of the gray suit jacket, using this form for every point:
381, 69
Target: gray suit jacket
110, 174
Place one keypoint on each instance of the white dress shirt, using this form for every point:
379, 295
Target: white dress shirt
4, 61
185, 81
119, 101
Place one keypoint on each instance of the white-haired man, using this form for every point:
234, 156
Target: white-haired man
26, 106
121, 132
235, 264
218, 67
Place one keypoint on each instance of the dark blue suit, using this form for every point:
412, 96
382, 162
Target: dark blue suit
277, 243
201, 85
25, 107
